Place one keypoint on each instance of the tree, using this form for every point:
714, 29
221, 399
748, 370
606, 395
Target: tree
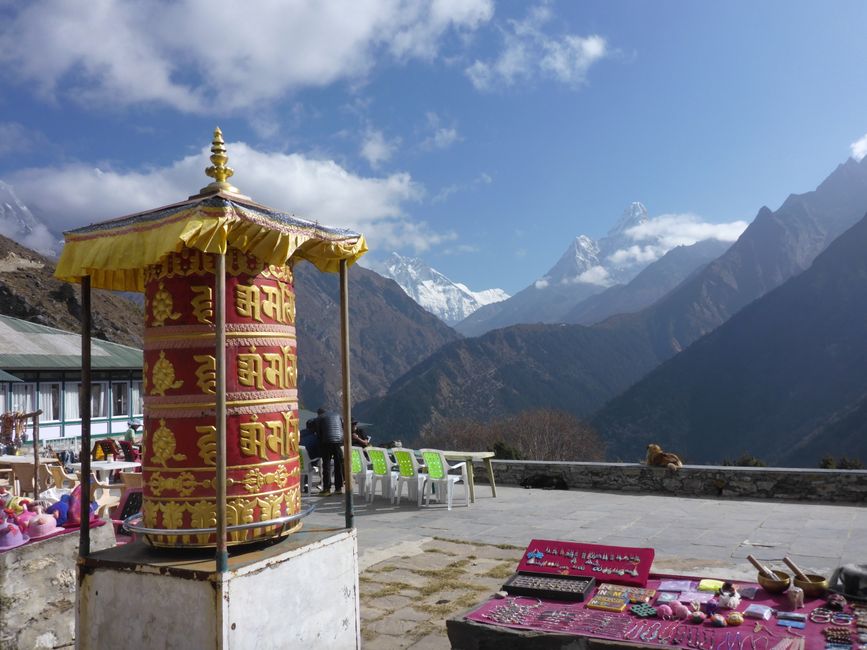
541, 434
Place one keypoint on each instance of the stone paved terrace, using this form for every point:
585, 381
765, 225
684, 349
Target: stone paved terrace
412, 580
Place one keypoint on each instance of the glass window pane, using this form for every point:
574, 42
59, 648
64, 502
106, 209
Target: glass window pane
120, 398
24, 397
136, 398
71, 403
98, 401
49, 401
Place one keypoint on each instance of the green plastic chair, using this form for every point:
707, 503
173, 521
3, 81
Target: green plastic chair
439, 481
383, 473
409, 474
361, 474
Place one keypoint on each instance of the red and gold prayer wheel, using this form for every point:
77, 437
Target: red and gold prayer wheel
262, 463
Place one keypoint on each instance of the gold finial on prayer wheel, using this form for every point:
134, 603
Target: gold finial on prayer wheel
219, 170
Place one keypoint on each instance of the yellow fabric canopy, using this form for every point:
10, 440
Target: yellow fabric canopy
115, 253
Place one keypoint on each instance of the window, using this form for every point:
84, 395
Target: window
136, 398
99, 400
49, 401
119, 398
3, 400
71, 401
24, 397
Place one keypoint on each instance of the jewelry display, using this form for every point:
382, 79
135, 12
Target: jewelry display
555, 591
620, 564
554, 587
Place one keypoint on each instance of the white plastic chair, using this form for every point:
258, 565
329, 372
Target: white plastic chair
438, 477
361, 473
309, 469
409, 474
383, 473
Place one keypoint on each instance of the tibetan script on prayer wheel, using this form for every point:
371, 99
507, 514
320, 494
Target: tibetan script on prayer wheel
262, 462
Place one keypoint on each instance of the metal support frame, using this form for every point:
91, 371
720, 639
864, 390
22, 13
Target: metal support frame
222, 553
347, 395
84, 407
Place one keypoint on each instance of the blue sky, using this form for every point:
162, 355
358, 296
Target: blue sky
480, 136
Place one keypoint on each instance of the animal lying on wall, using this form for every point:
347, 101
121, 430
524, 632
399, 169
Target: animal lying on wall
544, 482
658, 458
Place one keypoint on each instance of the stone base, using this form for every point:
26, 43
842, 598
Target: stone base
299, 592
37, 590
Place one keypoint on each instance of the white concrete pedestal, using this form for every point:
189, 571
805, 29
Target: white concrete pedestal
299, 593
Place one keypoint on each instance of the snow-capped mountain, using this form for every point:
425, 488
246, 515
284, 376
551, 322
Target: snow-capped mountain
595, 262
18, 223
450, 301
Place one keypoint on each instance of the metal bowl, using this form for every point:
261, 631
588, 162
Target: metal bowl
814, 586
775, 586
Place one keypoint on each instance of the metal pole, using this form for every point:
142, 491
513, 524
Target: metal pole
84, 408
347, 402
36, 454
222, 557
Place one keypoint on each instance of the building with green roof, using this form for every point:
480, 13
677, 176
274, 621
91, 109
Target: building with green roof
43, 365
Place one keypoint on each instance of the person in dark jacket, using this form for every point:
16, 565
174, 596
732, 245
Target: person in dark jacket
329, 426
310, 439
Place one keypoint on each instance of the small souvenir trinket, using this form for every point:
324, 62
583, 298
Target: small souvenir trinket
697, 617
711, 606
836, 602
643, 610
796, 597
717, 620
734, 618
680, 611
762, 612
664, 612
729, 598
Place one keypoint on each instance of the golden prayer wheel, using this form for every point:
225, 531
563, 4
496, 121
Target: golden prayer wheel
262, 461
179, 255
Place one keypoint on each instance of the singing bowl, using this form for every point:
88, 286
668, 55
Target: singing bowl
814, 586
775, 586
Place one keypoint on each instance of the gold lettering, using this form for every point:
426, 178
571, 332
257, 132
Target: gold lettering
207, 444
272, 305
277, 439
247, 301
207, 373
252, 438
275, 373
291, 366
288, 303
203, 304
250, 369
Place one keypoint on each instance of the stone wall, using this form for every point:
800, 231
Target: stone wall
37, 590
691, 480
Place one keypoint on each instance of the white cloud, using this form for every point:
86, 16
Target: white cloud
206, 56
655, 237
859, 148
441, 136
541, 283
73, 195
595, 275
376, 149
529, 52
15, 138
672, 230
